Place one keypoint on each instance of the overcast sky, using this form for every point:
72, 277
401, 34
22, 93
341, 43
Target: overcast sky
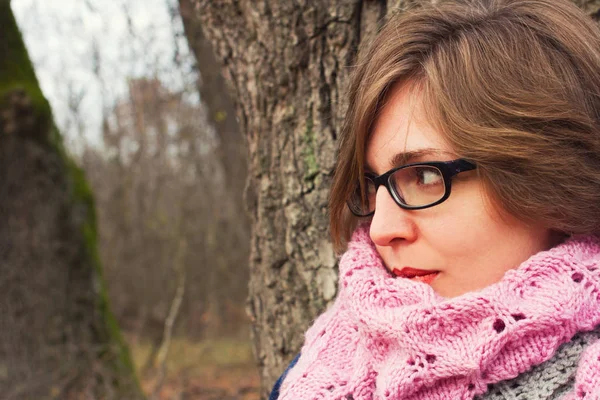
64, 36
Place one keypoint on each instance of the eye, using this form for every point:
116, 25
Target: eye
429, 176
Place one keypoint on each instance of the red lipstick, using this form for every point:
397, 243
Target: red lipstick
419, 275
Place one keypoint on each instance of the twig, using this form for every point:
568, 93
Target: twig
161, 358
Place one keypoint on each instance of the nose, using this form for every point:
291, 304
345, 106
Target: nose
390, 223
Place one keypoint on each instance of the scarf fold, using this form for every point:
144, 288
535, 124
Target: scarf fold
391, 338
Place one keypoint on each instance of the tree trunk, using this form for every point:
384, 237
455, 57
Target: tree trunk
233, 237
214, 95
287, 64
59, 339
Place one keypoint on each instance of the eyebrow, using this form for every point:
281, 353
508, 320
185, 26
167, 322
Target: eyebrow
406, 157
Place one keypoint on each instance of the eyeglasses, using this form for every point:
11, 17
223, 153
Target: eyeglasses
413, 186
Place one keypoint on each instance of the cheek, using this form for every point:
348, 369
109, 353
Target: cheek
479, 246
456, 239
465, 232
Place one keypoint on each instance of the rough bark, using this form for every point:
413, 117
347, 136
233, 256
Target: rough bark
287, 64
59, 339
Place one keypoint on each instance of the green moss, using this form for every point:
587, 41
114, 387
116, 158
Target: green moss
220, 116
82, 195
16, 69
309, 150
17, 73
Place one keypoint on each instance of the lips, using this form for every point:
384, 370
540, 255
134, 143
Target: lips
420, 275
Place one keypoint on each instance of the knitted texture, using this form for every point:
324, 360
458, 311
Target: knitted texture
548, 381
391, 338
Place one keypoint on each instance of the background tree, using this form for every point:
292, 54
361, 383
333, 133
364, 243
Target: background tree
167, 166
59, 338
221, 112
160, 182
287, 64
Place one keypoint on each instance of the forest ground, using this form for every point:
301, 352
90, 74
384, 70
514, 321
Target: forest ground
221, 369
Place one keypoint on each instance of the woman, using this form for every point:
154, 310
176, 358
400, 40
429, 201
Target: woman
469, 172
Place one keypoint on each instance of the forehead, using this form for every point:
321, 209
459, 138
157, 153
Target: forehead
401, 129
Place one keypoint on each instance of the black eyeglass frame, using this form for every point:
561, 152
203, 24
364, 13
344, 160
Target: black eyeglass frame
448, 169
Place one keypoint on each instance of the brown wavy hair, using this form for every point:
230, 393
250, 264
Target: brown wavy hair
513, 85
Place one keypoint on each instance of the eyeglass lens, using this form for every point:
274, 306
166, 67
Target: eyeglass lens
414, 186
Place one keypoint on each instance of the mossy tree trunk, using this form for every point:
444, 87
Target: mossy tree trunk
287, 64
58, 338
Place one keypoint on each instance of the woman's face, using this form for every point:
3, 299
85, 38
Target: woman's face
465, 239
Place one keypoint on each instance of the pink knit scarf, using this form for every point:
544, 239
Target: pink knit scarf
391, 338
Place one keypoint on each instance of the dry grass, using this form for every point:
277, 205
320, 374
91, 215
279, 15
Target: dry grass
220, 369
